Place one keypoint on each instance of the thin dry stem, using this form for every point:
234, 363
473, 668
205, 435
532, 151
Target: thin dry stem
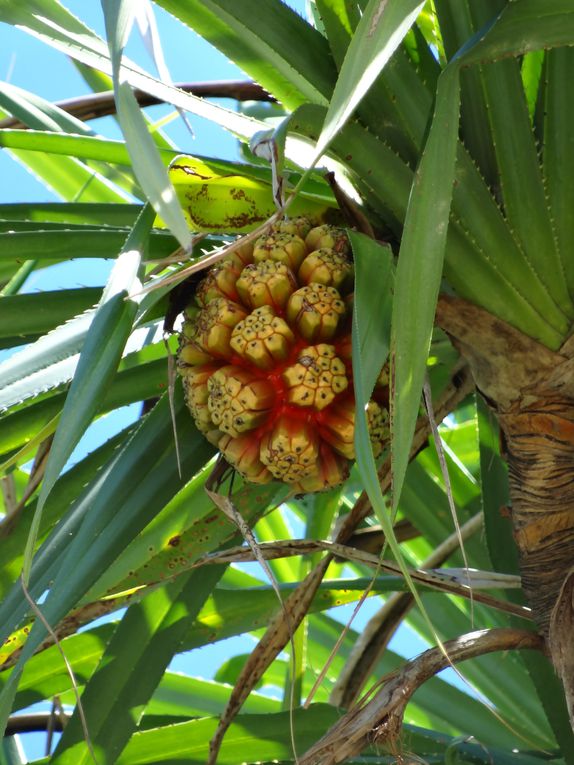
35, 721
442, 581
208, 260
171, 377
230, 511
84, 723
9, 497
379, 720
97, 105
375, 637
36, 474
427, 395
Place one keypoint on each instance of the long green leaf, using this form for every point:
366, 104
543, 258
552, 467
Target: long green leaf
269, 41
191, 696
45, 675
523, 192
370, 327
122, 215
146, 161
186, 528
459, 21
398, 91
524, 26
188, 742
97, 365
66, 491
68, 177
131, 668
109, 514
25, 317
379, 32
339, 19
11, 752
483, 262
38, 113
373, 299
138, 383
81, 146
72, 180
243, 742
419, 271
224, 615
179, 695
116, 152
558, 153
63, 244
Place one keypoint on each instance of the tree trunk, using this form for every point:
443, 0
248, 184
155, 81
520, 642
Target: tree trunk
540, 454
532, 391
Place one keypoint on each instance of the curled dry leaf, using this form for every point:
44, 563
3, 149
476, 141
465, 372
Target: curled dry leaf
379, 720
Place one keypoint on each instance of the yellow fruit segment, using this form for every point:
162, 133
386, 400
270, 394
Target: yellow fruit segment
339, 428
243, 454
316, 378
378, 422
262, 338
290, 450
315, 310
328, 236
237, 400
331, 471
283, 248
266, 283
219, 283
329, 267
214, 325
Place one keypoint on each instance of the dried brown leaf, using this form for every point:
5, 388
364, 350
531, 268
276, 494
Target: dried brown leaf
379, 719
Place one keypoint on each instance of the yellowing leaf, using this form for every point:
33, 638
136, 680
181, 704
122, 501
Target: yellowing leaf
230, 203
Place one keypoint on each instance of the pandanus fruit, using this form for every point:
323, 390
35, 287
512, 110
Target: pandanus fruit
265, 358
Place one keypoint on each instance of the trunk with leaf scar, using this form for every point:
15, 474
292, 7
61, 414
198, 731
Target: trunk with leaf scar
532, 390
540, 453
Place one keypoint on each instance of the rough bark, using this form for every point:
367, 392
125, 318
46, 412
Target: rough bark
540, 444
531, 389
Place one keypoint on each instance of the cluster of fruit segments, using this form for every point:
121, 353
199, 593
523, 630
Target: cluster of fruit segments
265, 358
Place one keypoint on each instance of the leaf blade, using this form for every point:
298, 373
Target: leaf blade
115, 697
98, 361
419, 272
378, 34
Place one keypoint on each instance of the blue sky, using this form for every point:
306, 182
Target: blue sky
30, 64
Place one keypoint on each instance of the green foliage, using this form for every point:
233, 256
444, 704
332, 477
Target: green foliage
450, 124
